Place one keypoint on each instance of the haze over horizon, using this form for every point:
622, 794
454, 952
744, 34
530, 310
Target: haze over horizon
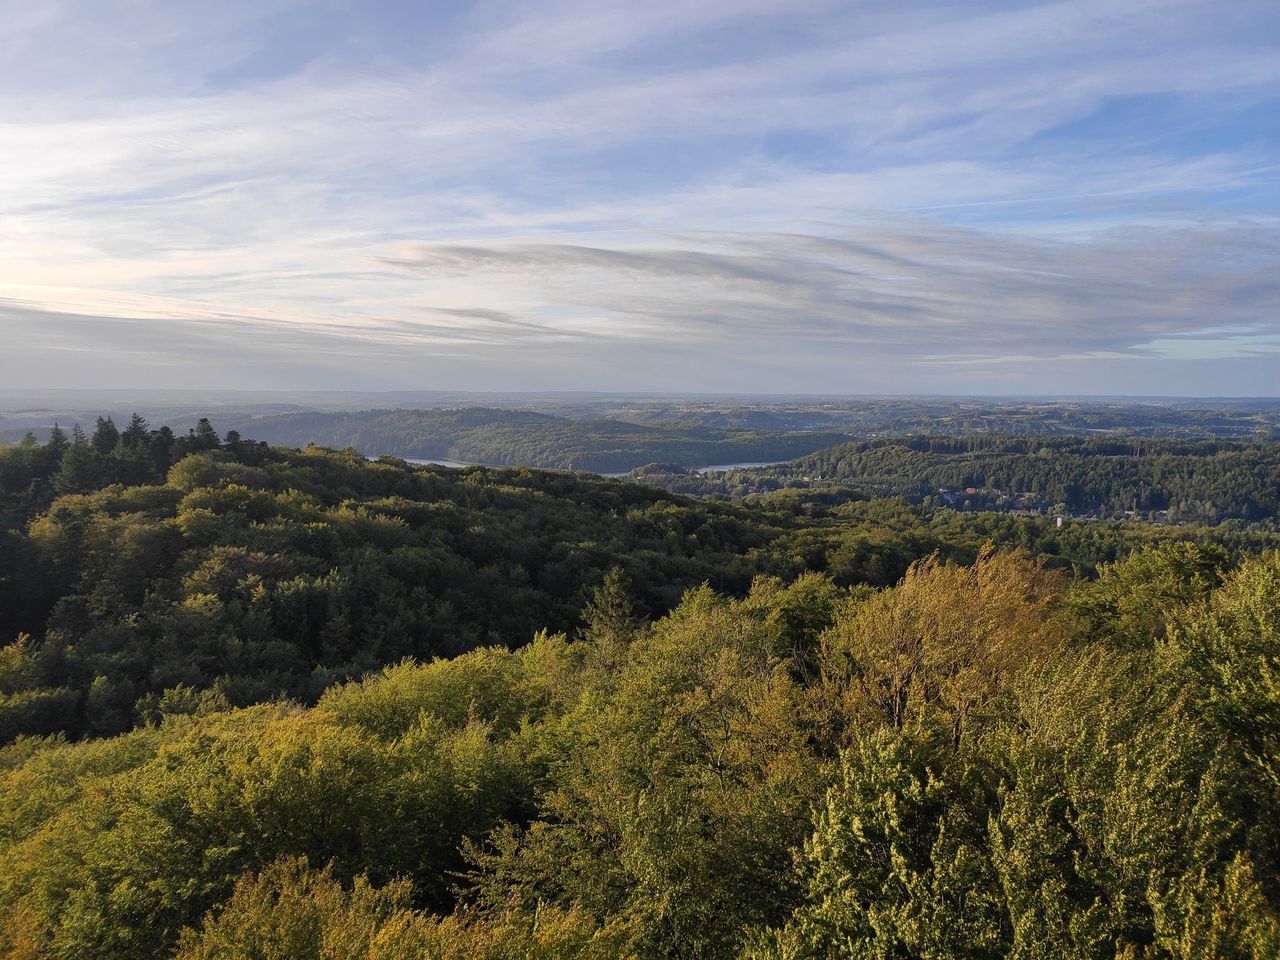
729, 197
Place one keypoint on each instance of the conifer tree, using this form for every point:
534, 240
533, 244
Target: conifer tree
105, 435
57, 441
204, 436
137, 433
79, 465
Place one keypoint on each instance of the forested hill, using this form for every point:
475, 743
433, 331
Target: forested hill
136, 563
259, 702
1204, 482
519, 438
262, 571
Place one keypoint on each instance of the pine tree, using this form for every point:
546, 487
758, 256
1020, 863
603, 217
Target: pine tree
57, 441
105, 436
131, 460
204, 436
79, 470
137, 433
609, 616
161, 445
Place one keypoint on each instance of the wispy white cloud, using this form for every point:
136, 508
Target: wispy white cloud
909, 289
897, 180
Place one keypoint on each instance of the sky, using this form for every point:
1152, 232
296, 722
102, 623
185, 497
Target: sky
868, 196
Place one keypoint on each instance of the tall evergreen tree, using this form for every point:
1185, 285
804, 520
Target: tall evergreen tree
161, 445
205, 437
105, 436
79, 470
57, 441
132, 459
137, 433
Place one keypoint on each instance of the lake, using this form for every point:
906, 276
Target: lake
722, 467
712, 468
438, 463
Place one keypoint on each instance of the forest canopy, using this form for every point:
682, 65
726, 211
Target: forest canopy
1180, 481
968, 764
259, 702
245, 572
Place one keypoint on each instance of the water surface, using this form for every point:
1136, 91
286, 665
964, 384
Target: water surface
722, 467
456, 464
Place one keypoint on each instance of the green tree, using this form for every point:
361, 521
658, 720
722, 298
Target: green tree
204, 437
137, 434
57, 441
79, 471
105, 436
897, 865
1133, 601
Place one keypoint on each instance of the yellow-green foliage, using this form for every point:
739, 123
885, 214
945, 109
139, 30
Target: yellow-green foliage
1133, 601
949, 638
960, 766
291, 912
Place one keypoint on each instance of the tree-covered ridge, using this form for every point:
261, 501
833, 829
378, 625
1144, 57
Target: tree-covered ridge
1195, 419
32, 473
1183, 481
279, 572
246, 572
521, 438
983, 761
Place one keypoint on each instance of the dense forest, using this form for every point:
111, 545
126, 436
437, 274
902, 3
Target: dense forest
523, 438
273, 703
1207, 481
255, 572
983, 761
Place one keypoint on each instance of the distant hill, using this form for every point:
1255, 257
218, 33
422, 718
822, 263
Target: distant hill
1207, 481
521, 438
